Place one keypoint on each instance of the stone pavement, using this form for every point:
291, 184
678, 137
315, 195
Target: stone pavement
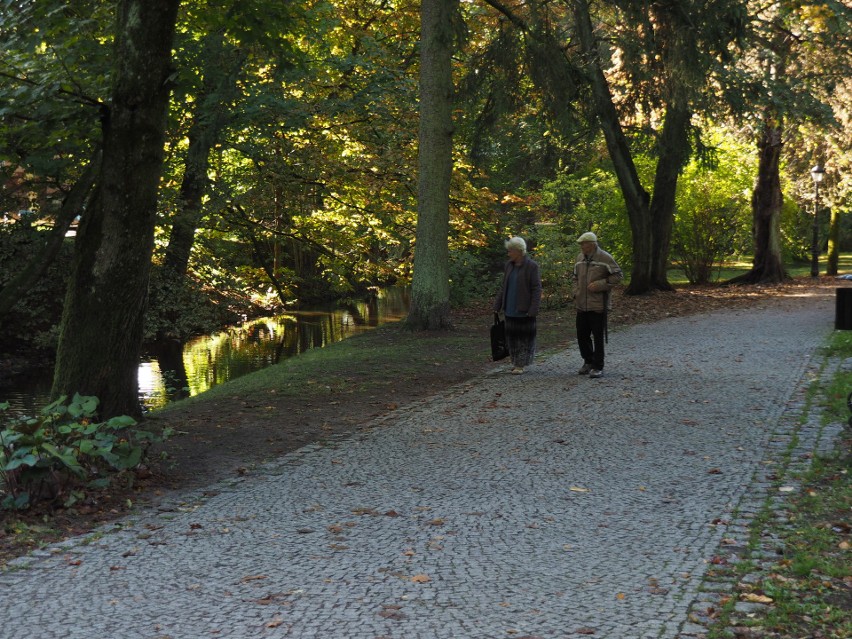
546, 505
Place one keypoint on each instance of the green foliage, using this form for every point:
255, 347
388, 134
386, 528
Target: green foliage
33, 319
53, 76
796, 232
592, 201
555, 254
702, 240
65, 451
712, 221
179, 310
471, 278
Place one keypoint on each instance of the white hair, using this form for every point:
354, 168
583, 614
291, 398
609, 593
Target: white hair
517, 243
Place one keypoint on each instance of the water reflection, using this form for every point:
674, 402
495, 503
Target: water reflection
172, 371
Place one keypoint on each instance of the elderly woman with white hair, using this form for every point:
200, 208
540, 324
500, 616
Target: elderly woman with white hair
519, 299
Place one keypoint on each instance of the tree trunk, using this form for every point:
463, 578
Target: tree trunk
833, 242
223, 66
430, 289
102, 320
29, 273
636, 198
673, 153
766, 201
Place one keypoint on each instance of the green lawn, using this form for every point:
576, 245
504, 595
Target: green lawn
733, 268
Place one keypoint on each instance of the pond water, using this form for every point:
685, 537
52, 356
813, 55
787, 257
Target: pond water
172, 371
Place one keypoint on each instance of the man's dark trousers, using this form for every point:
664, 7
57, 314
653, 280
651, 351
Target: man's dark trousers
590, 326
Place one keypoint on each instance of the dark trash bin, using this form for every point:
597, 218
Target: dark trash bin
843, 310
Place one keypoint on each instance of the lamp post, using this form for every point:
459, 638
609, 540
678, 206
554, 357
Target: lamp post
817, 173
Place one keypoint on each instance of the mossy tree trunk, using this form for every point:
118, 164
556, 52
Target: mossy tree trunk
102, 321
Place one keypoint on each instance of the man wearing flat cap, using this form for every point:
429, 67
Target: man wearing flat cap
595, 274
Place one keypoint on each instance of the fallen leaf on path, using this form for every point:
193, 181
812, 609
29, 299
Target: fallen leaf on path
421, 579
273, 598
578, 489
756, 598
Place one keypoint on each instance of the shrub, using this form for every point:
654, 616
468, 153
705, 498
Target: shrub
555, 253
64, 452
470, 278
702, 239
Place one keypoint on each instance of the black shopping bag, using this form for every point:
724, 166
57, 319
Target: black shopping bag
499, 349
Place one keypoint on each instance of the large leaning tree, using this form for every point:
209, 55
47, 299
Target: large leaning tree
102, 322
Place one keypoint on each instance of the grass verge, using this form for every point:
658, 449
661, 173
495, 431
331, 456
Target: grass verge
805, 589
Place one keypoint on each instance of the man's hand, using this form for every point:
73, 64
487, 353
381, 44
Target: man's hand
596, 286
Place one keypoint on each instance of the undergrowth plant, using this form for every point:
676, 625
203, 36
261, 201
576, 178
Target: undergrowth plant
65, 451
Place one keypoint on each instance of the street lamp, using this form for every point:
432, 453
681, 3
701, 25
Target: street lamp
817, 173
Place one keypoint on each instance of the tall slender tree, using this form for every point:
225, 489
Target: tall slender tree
430, 287
222, 64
